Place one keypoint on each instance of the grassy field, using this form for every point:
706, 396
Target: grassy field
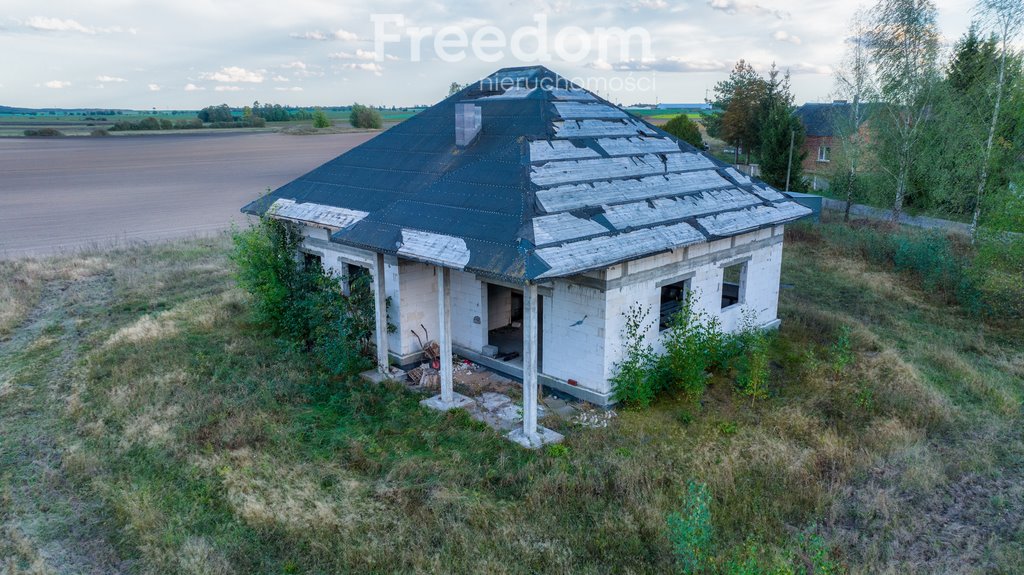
146, 426
14, 125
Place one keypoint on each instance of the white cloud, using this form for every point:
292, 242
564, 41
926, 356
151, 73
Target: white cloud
280, 78
227, 89
57, 84
193, 88
153, 87
746, 7
297, 65
783, 36
288, 88
319, 36
669, 64
637, 5
365, 66
360, 54
44, 24
235, 74
104, 78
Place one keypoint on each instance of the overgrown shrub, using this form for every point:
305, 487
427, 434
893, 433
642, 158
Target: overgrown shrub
633, 382
43, 132
693, 344
365, 117
320, 119
691, 532
752, 360
302, 303
942, 266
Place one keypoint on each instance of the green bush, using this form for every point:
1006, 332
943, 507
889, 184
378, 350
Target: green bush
693, 344
752, 360
320, 119
634, 382
685, 129
691, 532
44, 132
301, 303
365, 117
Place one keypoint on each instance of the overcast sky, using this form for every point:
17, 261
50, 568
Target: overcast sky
192, 53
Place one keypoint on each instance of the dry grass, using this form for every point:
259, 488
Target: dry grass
211, 449
21, 282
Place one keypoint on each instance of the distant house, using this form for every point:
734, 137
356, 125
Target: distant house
820, 145
526, 214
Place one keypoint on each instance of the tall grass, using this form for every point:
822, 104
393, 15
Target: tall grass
204, 444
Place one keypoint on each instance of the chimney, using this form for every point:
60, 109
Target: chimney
468, 122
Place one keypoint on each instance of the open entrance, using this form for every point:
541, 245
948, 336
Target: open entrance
505, 324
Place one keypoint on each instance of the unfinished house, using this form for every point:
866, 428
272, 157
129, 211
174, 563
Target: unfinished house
518, 219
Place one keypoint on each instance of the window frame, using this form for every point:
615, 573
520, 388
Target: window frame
824, 153
687, 284
741, 290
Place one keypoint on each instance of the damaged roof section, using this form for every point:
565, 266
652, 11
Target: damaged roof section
331, 217
556, 182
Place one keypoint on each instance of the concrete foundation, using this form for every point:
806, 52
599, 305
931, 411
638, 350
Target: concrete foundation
542, 437
458, 401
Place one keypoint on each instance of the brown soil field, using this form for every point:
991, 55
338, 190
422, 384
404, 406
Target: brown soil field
64, 194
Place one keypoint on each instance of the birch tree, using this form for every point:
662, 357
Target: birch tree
904, 43
853, 83
1006, 18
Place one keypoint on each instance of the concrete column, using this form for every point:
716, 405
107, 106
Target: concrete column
444, 337
531, 435
447, 399
381, 308
530, 361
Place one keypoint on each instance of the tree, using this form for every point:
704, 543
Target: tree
455, 88
685, 129
220, 113
365, 117
853, 83
904, 50
1007, 17
320, 119
740, 97
781, 155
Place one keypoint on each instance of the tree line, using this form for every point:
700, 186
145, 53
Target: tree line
756, 115
922, 129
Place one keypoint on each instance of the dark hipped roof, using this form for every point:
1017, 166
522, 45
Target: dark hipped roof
820, 120
558, 182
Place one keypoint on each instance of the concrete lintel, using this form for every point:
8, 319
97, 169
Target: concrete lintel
542, 437
458, 401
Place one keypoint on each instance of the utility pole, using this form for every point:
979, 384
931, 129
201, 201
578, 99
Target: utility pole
789, 166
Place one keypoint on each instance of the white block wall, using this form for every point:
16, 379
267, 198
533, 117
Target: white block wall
760, 295
469, 300
417, 286
574, 334
582, 326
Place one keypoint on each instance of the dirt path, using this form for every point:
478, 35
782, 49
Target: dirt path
47, 525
